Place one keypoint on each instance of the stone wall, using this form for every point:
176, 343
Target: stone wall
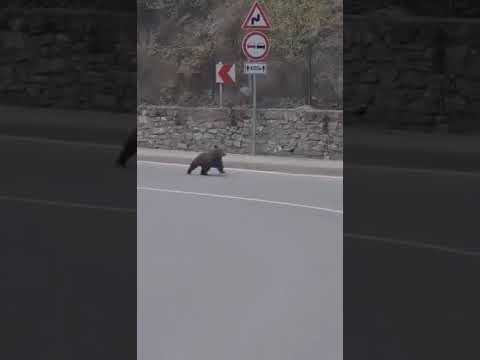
306, 131
68, 59
429, 66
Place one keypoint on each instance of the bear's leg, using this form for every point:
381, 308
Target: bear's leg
205, 170
192, 167
218, 164
131, 148
121, 159
128, 150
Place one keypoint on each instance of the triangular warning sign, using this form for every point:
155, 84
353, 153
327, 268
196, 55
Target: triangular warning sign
257, 19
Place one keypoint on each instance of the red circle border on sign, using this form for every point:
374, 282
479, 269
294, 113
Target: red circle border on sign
244, 42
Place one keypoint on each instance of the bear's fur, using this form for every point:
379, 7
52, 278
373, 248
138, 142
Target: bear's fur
207, 160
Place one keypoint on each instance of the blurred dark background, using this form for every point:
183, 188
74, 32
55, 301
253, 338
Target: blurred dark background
112, 5
436, 8
68, 230
411, 169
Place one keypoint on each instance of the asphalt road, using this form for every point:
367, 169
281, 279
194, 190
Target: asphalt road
438, 208
410, 271
411, 264
407, 149
242, 266
68, 227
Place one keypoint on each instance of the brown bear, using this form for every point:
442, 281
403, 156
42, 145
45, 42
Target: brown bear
207, 160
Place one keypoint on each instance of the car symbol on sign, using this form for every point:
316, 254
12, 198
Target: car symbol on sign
256, 46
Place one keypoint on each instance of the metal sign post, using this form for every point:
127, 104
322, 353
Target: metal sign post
220, 84
255, 46
252, 69
254, 114
221, 94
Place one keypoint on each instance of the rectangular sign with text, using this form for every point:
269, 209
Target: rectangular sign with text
255, 68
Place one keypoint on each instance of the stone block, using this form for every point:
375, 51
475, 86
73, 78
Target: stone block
378, 53
38, 24
270, 114
12, 40
105, 101
62, 38
45, 66
369, 77
456, 57
18, 24
413, 80
45, 39
160, 131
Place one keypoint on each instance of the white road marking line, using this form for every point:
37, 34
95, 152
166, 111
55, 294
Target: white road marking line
59, 142
444, 172
245, 170
412, 244
231, 197
68, 204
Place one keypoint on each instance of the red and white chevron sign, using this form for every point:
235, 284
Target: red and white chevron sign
225, 74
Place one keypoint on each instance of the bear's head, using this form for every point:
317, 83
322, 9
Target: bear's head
219, 151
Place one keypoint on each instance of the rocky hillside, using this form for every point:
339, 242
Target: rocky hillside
180, 41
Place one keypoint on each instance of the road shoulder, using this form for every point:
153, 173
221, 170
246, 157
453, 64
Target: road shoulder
259, 162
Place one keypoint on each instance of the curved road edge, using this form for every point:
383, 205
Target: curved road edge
258, 162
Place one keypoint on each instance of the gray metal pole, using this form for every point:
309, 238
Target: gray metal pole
221, 95
254, 114
250, 86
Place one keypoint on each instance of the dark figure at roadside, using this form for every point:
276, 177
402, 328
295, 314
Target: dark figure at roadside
129, 149
207, 160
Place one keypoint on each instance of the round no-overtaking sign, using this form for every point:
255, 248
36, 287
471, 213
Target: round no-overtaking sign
255, 45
